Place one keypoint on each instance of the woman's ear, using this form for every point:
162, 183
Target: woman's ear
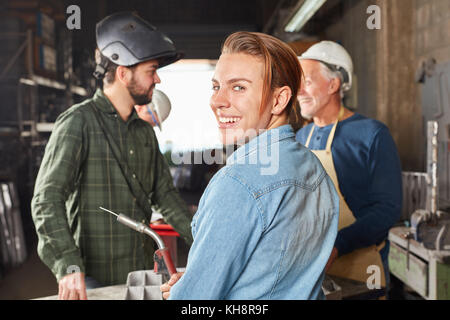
123, 74
281, 99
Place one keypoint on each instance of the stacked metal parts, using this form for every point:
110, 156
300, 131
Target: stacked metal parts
12, 241
145, 285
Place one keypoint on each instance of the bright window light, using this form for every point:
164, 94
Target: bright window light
191, 125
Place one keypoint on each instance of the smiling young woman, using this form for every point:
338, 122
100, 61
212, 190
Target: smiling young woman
254, 86
259, 234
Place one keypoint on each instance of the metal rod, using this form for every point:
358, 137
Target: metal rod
109, 211
432, 163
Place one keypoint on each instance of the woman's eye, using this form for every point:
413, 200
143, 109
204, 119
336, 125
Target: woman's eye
215, 88
238, 88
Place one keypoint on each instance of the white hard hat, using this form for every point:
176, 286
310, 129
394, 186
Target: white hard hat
335, 56
161, 105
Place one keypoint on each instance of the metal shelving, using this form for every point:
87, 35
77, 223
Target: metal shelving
29, 85
26, 94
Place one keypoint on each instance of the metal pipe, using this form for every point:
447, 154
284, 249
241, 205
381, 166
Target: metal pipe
142, 228
138, 226
432, 162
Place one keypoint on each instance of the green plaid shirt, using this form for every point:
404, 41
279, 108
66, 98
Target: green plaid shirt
79, 173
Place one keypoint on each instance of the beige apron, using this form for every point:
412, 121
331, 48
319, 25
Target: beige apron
353, 265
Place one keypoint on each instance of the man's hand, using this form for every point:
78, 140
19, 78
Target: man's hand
165, 288
72, 287
333, 256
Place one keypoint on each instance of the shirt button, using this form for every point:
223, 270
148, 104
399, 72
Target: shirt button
131, 152
134, 176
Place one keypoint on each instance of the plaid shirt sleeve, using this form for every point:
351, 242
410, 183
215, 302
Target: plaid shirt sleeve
169, 203
55, 181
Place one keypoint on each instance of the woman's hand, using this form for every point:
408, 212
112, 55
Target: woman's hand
165, 288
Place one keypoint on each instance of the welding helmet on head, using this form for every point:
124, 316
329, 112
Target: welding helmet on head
126, 39
335, 57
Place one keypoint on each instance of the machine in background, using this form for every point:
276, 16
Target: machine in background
420, 253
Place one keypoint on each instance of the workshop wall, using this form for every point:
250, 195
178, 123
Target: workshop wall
432, 29
351, 31
384, 62
431, 36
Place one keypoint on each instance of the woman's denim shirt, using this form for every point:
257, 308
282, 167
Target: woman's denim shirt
265, 226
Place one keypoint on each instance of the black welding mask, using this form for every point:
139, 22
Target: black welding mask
126, 39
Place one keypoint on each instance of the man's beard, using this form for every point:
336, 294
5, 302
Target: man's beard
139, 98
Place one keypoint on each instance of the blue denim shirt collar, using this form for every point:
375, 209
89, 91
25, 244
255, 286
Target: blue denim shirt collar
263, 140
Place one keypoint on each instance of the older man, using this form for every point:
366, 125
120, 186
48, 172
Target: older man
360, 156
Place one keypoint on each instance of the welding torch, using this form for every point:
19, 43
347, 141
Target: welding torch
163, 260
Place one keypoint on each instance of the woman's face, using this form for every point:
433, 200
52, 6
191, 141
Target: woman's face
236, 99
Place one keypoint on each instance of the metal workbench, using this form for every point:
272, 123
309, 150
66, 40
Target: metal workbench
350, 290
426, 271
105, 293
